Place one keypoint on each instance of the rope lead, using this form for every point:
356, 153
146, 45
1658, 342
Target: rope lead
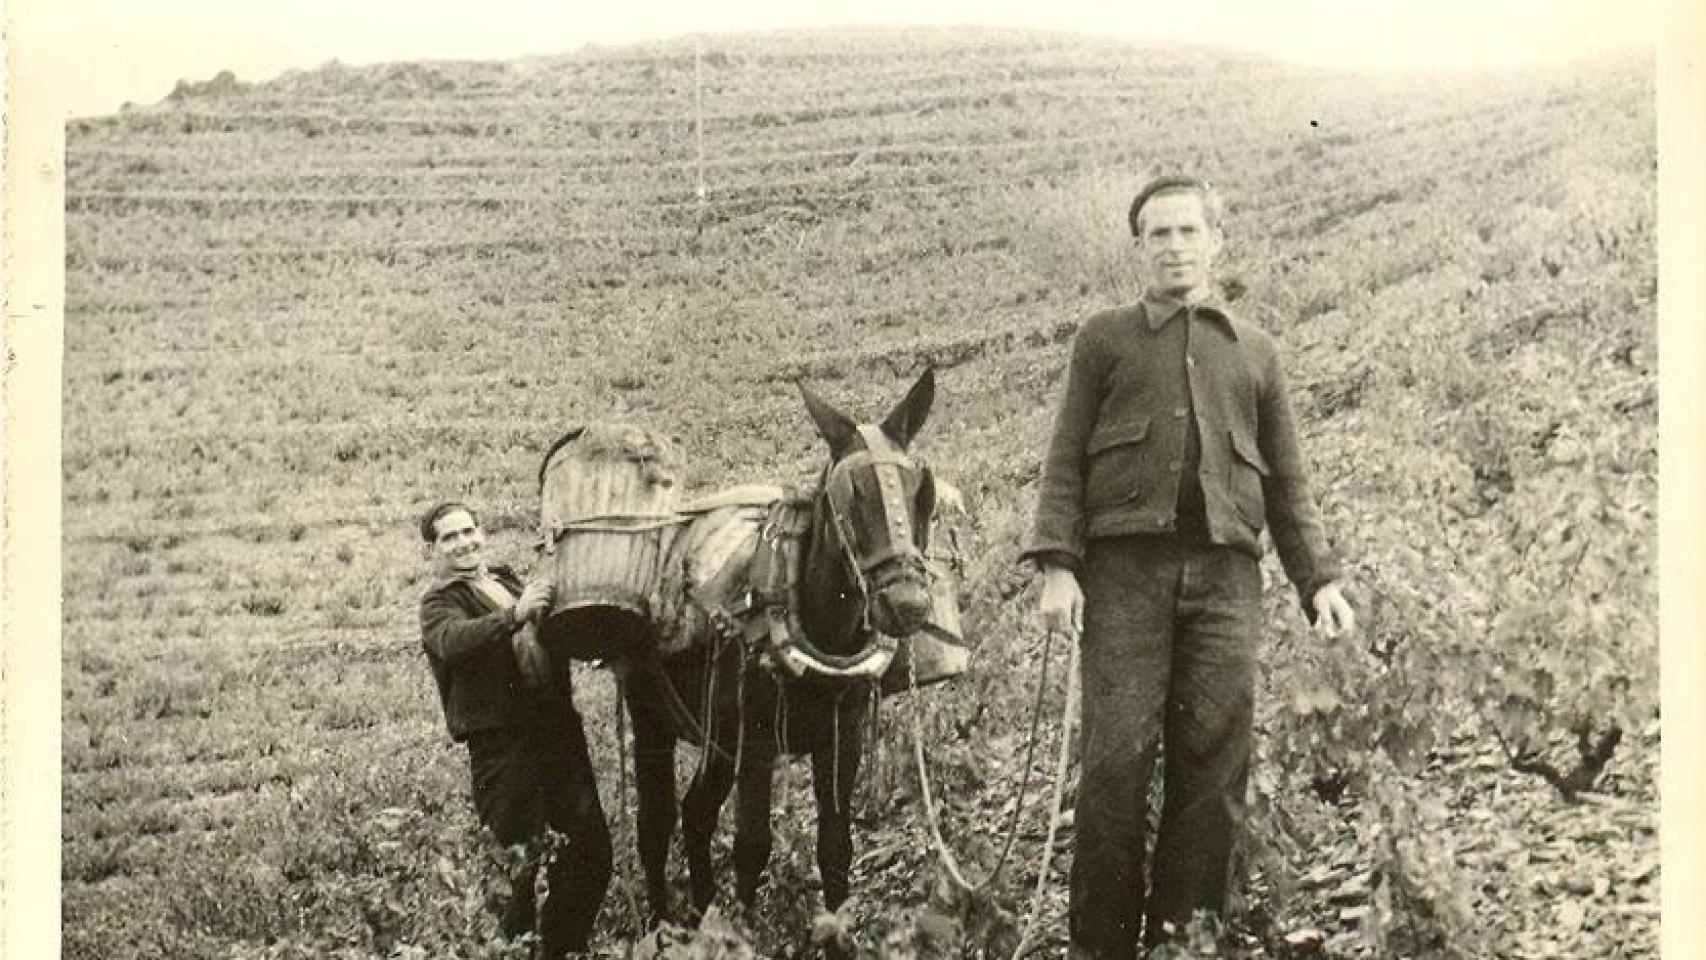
946, 855
1045, 867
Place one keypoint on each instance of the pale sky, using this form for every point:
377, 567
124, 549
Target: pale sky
89, 56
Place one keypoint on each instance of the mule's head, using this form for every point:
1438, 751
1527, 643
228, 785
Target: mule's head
879, 500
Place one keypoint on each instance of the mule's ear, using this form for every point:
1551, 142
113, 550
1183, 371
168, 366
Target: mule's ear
833, 425
907, 418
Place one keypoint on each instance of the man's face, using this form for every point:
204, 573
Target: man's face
1176, 244
458, 542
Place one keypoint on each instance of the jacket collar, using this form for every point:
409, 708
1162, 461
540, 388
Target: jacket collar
1158, 308
494, 571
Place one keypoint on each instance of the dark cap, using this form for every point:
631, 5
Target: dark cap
1169, 184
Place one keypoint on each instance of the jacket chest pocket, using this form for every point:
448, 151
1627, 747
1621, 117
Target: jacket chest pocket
1115, 457
1245, 470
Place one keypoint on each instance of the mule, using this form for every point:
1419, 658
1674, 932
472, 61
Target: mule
862, 581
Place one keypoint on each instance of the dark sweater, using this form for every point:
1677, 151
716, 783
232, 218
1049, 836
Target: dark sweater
1122, 441
467, 641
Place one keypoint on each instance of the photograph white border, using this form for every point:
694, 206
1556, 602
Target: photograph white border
31, 578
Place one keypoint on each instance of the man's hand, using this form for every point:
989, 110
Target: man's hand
535, 599
530, 656
1061, 607
1334, 617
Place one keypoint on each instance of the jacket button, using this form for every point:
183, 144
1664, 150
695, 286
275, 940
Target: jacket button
1190, 361
1179, 412
1161, 522
1176, 466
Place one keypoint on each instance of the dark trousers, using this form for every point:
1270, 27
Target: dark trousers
1168, 658
525, 780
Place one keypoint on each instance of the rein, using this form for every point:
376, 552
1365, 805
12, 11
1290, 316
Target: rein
1044, 867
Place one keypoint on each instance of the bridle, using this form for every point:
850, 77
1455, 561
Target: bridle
903, 535
894, 555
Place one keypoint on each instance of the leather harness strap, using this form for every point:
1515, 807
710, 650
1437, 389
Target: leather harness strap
777, 630
899, 552
775, 564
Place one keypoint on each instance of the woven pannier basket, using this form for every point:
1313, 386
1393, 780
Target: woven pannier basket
939, 651
608, 497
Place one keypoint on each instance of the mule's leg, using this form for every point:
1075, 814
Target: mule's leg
654, 782
835, 772
752, 816
705, 796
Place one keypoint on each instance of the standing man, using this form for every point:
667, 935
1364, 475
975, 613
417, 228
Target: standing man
513, 708
1174, 446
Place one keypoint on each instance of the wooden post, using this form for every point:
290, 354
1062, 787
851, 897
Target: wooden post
699, 116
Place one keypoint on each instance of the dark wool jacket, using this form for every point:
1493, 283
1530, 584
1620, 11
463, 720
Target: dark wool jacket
1112, 466
467, 641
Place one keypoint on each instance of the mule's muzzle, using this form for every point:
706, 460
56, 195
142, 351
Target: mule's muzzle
901, 608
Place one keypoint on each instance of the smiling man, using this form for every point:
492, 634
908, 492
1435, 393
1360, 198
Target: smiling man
513, 709
1173, 448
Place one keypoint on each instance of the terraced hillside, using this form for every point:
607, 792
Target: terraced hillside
299, 311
